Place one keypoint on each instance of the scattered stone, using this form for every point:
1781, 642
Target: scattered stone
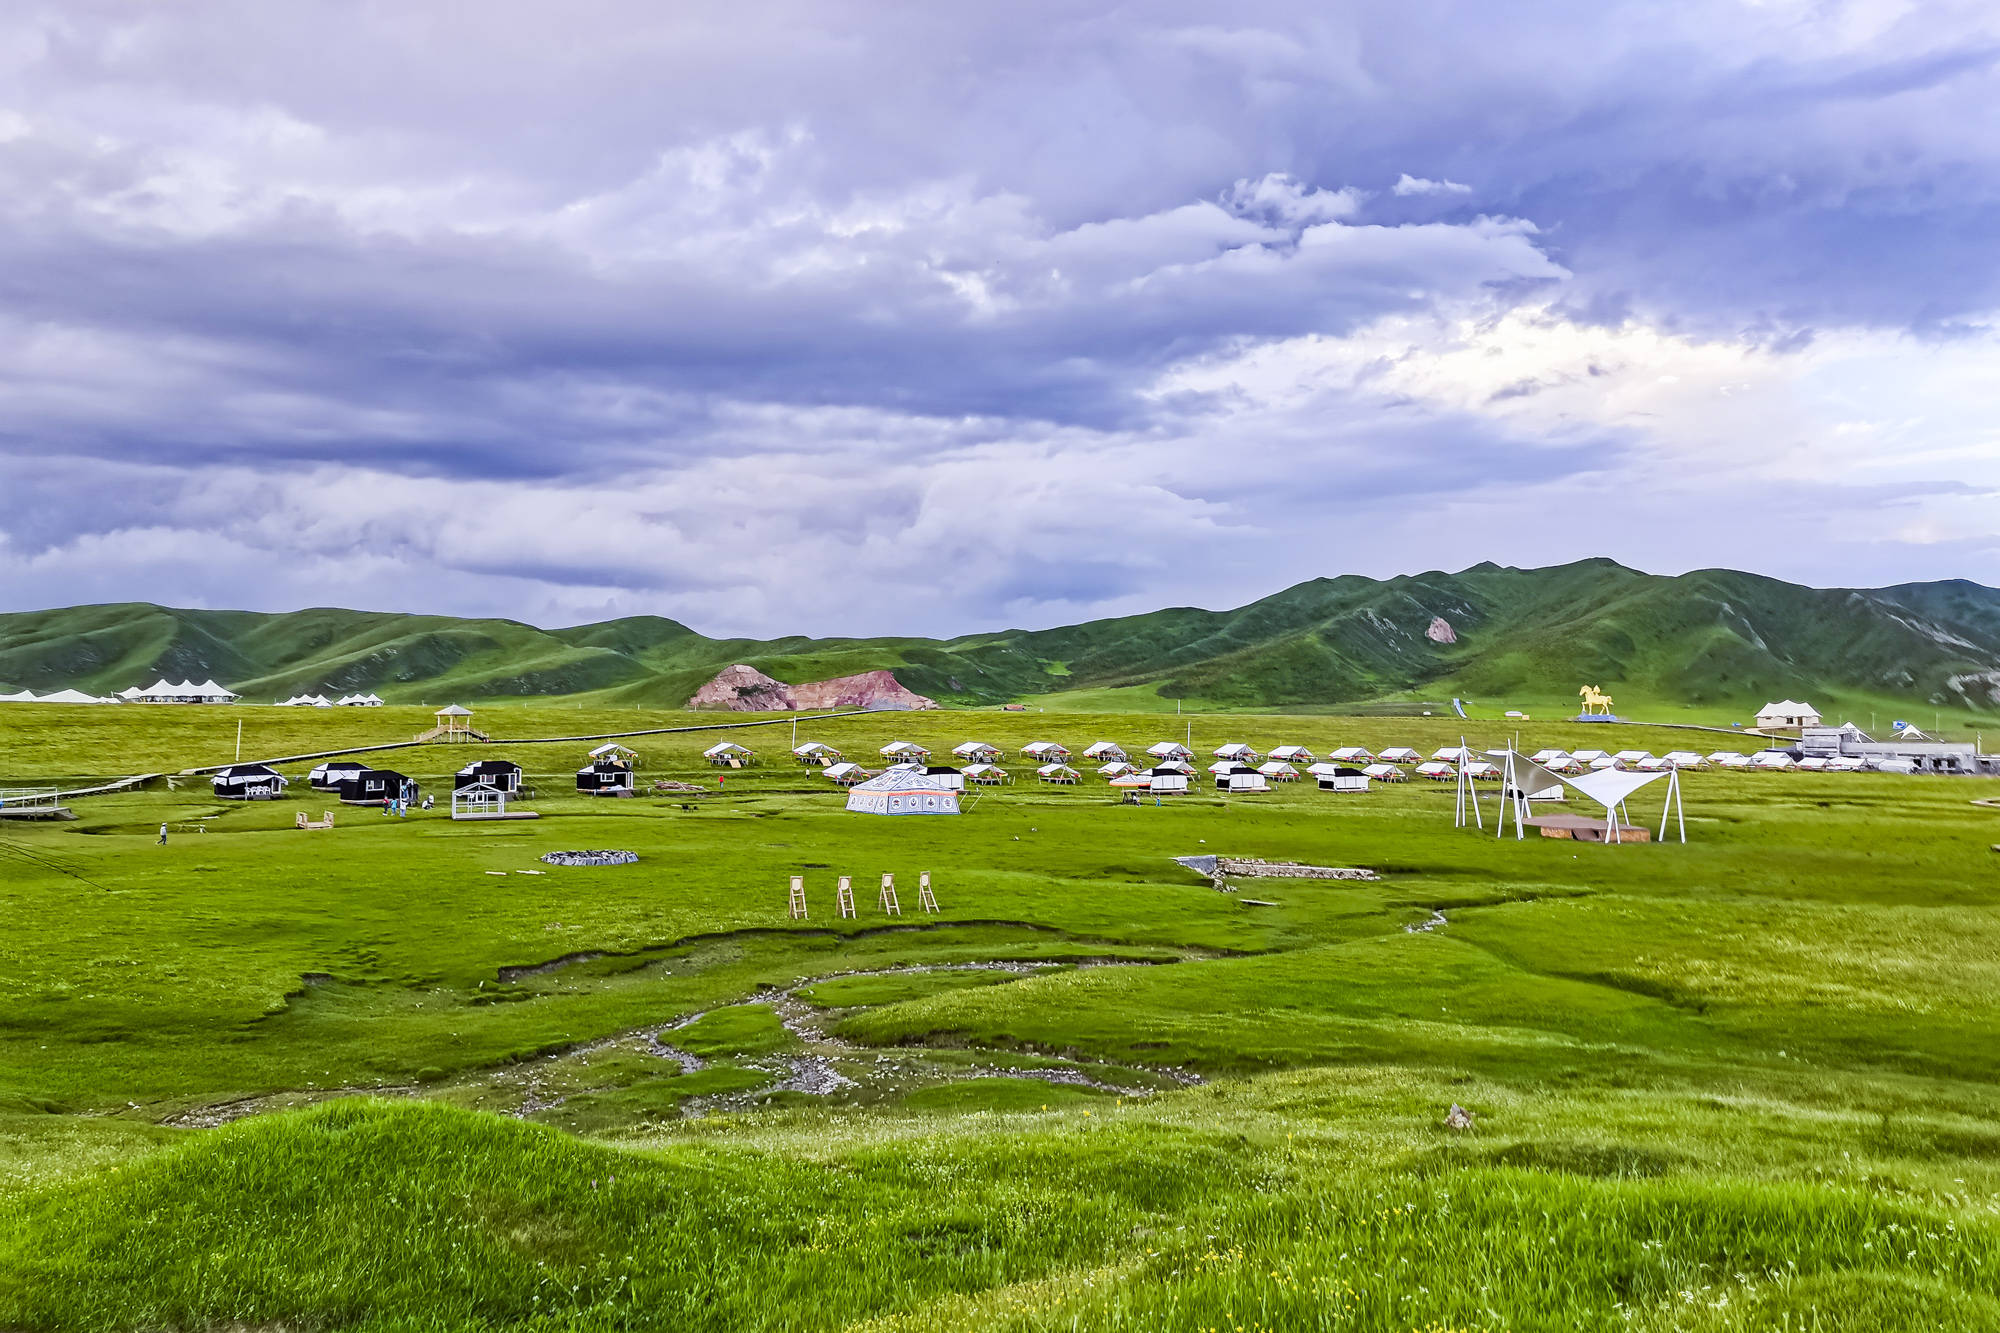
1458, 1119
1440, 631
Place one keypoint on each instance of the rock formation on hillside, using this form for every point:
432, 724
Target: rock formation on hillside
1440, 631
744, 689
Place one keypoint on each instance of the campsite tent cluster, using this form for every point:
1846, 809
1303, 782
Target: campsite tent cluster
321, 701
161, 691
1168, 766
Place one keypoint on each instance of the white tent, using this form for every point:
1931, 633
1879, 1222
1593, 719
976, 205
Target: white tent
1045, 751
902, 791
1724, 756
904, 750
1385, 773
1238, 751
1633, 756
1240, 777
816, 752
1654, 764
1059, 773
1159, 780
1897, 766
1730, 759
1607, 763
1590, 756
1105, 752
613, 750
1610, 790
1117, 768
1548, 756
130, 693
1399, 754
1325, 768
1684, 759
1483, 771
1352, 754
1454, 754
1292, 754
986, 775
728, 754
73, 697
24, 697
846, 774
1437, 771
1788, 713
975, 750
1169, 750
1776, 760
1278, 771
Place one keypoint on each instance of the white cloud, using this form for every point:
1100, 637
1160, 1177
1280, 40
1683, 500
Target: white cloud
1406, 185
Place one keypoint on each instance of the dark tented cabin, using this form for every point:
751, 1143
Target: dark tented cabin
329, 775
372, 786
500, 774
606, 777
1343, 778
249, 782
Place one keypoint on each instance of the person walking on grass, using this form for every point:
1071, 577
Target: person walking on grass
163, 837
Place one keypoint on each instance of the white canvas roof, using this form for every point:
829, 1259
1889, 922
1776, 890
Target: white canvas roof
1167, 749
841, 770
1326, 768
811, 747
982, 770
1055, 770
1544, 756
1116, 768
724, 747
73, 697
1436, 770
1481, 769
1588, 755
1403, 752
1453, 753
1042, 747
965, 749
1277, 768
1097, 749
1233, 750
1290, 752
1380, 771
24, 697
1347, 752
1610, 788
1682, 758
1633, 756
903, 747
610, 748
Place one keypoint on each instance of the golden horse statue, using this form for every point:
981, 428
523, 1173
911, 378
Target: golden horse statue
1595, 701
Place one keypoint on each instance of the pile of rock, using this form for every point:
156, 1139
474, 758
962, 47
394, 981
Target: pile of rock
594, 858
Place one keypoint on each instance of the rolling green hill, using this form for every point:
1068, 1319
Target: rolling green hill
1712, 640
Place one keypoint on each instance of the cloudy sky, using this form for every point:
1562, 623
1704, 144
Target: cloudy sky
876, 317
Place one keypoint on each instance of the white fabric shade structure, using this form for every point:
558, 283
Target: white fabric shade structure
360, 701
306, 701
1527, 781
164, 691
1110, 751
979, 750
1292, 754
613, 750
1169, 750
722, 748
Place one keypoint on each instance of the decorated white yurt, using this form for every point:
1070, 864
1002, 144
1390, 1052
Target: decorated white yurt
902, 791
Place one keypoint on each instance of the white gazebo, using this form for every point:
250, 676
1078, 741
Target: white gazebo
1787, 714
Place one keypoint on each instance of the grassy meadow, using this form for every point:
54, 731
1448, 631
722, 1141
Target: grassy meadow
385, 1076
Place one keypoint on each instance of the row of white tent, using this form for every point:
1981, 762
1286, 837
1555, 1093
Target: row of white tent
159, 692
321, 701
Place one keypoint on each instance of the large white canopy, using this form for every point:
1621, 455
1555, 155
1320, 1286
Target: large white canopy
1609, 787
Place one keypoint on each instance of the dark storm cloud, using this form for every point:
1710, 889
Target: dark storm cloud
869, 267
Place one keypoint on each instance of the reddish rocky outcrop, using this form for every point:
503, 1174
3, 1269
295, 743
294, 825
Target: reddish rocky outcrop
1440, 631
744, 689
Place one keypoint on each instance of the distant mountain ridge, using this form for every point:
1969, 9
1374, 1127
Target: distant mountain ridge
1707, 637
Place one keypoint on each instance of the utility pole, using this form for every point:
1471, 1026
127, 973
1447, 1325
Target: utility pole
239, 740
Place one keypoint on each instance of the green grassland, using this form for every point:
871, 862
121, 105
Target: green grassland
1708, 646
380, 1076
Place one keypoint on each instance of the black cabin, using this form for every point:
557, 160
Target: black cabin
372, 786
606, 777
249, 782
500, 774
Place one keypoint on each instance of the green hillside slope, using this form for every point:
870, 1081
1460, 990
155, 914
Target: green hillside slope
1716, 639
